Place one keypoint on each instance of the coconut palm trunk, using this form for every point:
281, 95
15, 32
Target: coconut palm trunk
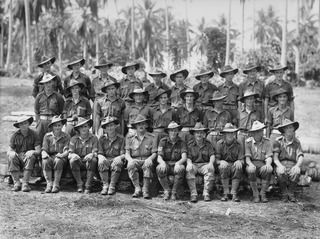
132, 30
228, 35
28, 35
1, 44
167, 34
97, 41
9, 51
242, 26
284, 35
296, 48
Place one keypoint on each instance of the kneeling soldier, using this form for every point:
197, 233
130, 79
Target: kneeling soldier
83, 152
172, 155
288, 157
258, 153
55, 149
230, 159
23, 150
110, 155
141, 152
200, 161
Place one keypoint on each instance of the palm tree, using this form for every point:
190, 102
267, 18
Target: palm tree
228, 35
28, 35
199, 42
284, 35
242, 25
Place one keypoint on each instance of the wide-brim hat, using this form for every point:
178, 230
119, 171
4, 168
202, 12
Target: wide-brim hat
216, 96
248, 94
191, 91
129, 64
229, 128
46, 78
56, 119
286, 123
109, 83
108, 120
45, 60
23, 119
161, 92
278, 68
157, 72
204, 73
103, 63
256, 126
139, 91
278, 92
73, 83
228, 69
199, 127
173, 125
76, 61
184, 72
250, 67
139, 119
82, 121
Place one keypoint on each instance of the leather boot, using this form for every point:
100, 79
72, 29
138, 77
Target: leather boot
291, 191
145, 189
284, 190
193, 190
176, 184
88, 182
137, 189
226, 190
234, 190
165, 185
48, 176
77, 177
105, 182
16, 181
255, 192
208, 185
114, 179
56, 182
264, 187
25, 181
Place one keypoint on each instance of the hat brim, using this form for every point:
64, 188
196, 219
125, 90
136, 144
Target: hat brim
168, 92
104, 89
81, 61
295, 125
124, 69
258, 129
68, 89
103, 65
52, 60
63, 121
275, 96
162, 74
116, 121
256, 95
134, 124
184, 72
206, 130
246, 71
90, 121
234, 71
179, 127
183, 94
30, 120
146, 94
229, 131
212, 100
278, 69
210, 74
46, 81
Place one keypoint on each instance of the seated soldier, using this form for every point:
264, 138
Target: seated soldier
141, 152
23, 151
258, 153
172, 155
83, 152
178, 77
200, 161
229, 157
288, 158
110, 155
55, 150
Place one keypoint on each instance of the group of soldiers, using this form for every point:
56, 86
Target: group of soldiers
172, 134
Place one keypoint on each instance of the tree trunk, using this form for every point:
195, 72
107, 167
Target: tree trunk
28, 35
60, 52
97, 41
8, 62
296, 48
24, 49
253, 25
228, 35
132, 30
148, 55
187, 34
284, 36
319, 27
167, 35
85, 51
242, 26
1, 45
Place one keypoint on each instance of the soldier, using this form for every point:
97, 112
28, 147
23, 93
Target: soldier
204, 88
172, 155
141, 152
55, 150
75, 106
47, 104
230, 158
254, 84
130, 81
201, 161
231, 90
258, 153
288, 158
110, 105
45, 65
188, 114
83, 152
154, 88
23, 150
178, 77
216, 118
87, 91
110, 155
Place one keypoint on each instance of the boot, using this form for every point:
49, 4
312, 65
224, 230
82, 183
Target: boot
234, 190
291, 191
165, 185
284, 190
137, 189
16, 181
25, 181
264, 187
176, 184
77, 177
208, 185
56, 182
88, 182
226, 190
255, 192
105, 180
48, 176
145, 189
193, 190
114, 179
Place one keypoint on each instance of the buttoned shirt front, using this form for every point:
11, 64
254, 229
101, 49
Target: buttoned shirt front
81, 109
21, 144
188, 118
131, 113
231, 90
205, 93
200, 154
171, 151
290, 151
53, 144
82, 147
153, 91
141, 148
37, 87
258, 150
256, 86
87, 91
49, 105
247, 118
229, 152
214, 120
105, 107
162, 119
111, 148
99, 81
276, 116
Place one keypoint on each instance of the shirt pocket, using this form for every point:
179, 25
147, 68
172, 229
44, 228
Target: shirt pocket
53, 104
81, 111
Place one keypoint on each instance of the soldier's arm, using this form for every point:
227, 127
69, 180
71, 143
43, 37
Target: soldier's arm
96, 117
37, 108
35, 90
59, 85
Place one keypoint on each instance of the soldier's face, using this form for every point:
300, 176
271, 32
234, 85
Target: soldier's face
279, 74
104, 69
218, 104
84, 129
229, 76
75, 90
179, 78
131, 70
110, 128
141, 127
111, 90
48, 85
163, 99
257, 135
230, 137
57, 127
199, 135
47, 66
157, 78
204, 79
138, 98
24, 125
189, 98
76, 67
249, 101
289, 131
173, 133
283, 99
252, 73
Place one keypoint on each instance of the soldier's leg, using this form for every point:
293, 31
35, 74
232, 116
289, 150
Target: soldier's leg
292, 186
163, 179
75, 165
15, 164
47, 167
133, 167
58, 168
191, 180
265, 176
252, 177
236, 177
115, 174
225, 174
104, 167
91, 167
147, 176
208, 176
179, 173
28, 167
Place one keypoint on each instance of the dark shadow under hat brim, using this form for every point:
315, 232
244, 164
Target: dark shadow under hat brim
168, 92
81, 61
52, 60
116, 121
183, 95
124, 69
134, 124
30, 120
210, 74
184, 72
246, 71
63, 121
278, 69
104, 89
256, 95
162, 74
282, 127
90, 121
206, 130
234, 71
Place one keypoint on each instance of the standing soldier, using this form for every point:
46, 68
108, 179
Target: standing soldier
172, 155
55, 150
258, 153
47, 104
87, 91
230, 156
231, 90
45, 65
204, 88
141, 152
288, 158
23, 150
216, 118
178, 78
110, 155
154, 88
201, 161
130, 81
83, 152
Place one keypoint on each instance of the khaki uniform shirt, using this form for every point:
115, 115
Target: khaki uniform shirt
231, 90
290, 151
277, 116
162, 120
80, 109
22, 144
175, 98
106, 107
256, 86
170, 151
49, 105
37, 88
99, 81
199, 154
53, 145
131, 113
87, 91
258, 150
127, 86
141, 148
111, 148
229, 153
204, 93
215, 120
153, 92
83, 147
188, 119
273, 86
246, 119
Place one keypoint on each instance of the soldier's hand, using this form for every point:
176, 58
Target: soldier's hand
189, 167
295, 170
267, 167
238, 164
177, 168
11, 154
251, 168
117, 161
223, 164
281, 169
88, 157
148, 163
29, 153
162, 167
59, 155
44, 155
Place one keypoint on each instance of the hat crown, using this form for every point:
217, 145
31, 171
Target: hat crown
47, 77
102, 61
131, 63
138, 91
81, 120
22, 119
217, 94
139, 118
109, 119
173, 125
74, 82
250, 65
229, 126
199, 126
286, 121
56, 118
226, 68
257, 125
249, 92
45, 58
